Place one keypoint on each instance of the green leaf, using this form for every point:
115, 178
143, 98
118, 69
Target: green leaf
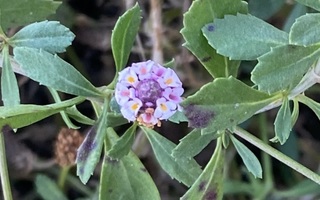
297, 11
123, 36
89, 152
276, 73
114, 119
249, 159
313, 105
126, 178
209, 185
183, 170
295, 112
201, 13
9, 85
79, 117
23, 115
52, 71
283, 124
311, 3
305, 31
50, 36
265, 9
178, 117
243, 37
222, 104
192, 144
123, 145
22, 12
48, 189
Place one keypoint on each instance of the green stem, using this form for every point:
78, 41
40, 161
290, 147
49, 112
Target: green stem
277, 154
5, 181
63, 176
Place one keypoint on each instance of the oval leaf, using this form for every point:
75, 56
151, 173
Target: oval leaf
50, 70
50, 36
184, 170
250, 160
305, 30
243, 37
283, 122
124, 34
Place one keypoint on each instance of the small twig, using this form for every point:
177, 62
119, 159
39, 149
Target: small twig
155, 16
4, 175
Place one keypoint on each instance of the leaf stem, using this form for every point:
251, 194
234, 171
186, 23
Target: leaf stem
277, 154
63, 176
5, 181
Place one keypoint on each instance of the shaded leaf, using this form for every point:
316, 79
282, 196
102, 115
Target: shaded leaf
114, 119
22, 12
305, 31
313, 105
276, 73
201, 13
50, 70
23, 115
311, 3
184, 170
243, 37
296, 12
192, 144
250, 160
210, 107
50, 36
283, 123
265, 9
123, 36
209, 185
79, 117
89, 152
48, 189
123, 145
125, 178
9, 85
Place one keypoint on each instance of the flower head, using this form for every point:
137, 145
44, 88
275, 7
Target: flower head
148, 92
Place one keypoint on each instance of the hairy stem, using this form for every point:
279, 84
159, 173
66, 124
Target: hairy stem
277, 154
5, 181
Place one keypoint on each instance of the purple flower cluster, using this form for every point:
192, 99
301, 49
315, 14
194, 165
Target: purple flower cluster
148, 92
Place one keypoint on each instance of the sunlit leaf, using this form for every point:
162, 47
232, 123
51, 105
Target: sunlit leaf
50, 70
202, 12
210, 182
22, 12
276, 73
124, 34
250, 160
184, 170
210, 108
243, 37
50, 36
283, 123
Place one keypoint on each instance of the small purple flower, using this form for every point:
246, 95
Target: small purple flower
148, 92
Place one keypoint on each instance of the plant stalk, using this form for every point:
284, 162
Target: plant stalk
277, 154
4, 175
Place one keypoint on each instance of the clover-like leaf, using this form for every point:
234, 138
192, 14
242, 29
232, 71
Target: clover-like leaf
210, 107
50, 36
201, 13
243, 37
50, 70
276, 73
22, 12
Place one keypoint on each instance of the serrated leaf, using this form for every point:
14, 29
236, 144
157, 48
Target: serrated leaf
183, 170
304, 31
23, 115
48, 189
209, 185
311, 3
125, 178
123, 36
250, 160
178, 117
123, 145
22, 12
210, 108
9, 85
265, 9
199, 14
89, 152
282, 124
243, 37
50, 70
79, 117
313, 105
276, 73
192, 144
50, 36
